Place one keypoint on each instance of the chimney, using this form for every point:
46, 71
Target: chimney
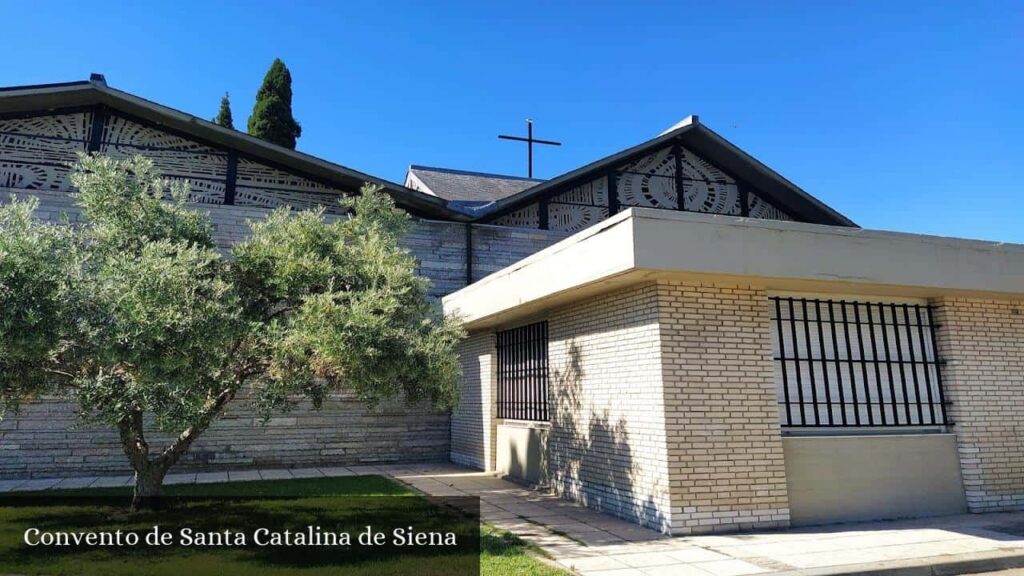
97, 79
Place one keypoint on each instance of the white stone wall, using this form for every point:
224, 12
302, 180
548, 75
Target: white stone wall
47, 438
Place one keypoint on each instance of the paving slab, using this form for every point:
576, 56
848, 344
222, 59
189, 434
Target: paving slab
277, 474
70, 483
307, 473
8, 485
336, 471
39, 484
211, 477
113, 481
183, 478
243, 475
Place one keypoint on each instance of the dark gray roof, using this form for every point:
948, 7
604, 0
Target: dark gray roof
462, 185
29, 100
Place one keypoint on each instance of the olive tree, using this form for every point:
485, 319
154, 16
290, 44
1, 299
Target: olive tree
137, 315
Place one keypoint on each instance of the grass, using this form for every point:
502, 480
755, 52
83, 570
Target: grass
502, 553
346, 504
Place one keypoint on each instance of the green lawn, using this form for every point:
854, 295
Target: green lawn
345, 504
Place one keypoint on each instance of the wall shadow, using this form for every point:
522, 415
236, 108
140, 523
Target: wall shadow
591, 459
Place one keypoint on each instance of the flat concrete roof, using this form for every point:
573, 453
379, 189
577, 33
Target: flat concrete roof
644, 244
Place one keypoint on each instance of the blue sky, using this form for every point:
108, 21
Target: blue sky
902, 115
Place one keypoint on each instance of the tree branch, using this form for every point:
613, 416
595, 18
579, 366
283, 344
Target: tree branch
184, 441
56, 372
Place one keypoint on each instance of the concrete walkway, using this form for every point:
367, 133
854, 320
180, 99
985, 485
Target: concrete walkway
595, 544
598, 545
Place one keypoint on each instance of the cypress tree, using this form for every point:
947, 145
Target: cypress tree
271, 118
224, 116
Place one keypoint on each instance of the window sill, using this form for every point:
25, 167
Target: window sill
523, 423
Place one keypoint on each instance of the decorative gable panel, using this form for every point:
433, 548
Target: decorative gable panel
648, 182
36, 154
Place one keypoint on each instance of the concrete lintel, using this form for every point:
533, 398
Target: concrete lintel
643, 244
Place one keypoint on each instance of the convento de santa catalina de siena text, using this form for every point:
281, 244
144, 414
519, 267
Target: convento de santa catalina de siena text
309, 536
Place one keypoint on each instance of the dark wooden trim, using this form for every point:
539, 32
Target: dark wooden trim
469, 253
230, 179
49, 112
542, 213
613, 193
744, 199
96, 127
677, 157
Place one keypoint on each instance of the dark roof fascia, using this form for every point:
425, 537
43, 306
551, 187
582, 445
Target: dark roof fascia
54, 98
789, 197
713, 148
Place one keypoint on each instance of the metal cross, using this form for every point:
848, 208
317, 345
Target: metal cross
530, 141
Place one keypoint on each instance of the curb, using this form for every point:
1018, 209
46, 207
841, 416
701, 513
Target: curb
954, 564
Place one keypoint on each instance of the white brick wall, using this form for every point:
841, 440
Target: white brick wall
726, 462
473, 427
663, 407
982, 342
607, 445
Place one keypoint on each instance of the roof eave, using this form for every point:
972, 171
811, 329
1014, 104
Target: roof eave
763, 176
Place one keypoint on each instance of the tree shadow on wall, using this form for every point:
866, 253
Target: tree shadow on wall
591, 458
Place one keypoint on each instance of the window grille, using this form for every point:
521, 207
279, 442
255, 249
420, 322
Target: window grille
523, 372
842, 363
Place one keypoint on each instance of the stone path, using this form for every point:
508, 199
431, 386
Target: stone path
596, 544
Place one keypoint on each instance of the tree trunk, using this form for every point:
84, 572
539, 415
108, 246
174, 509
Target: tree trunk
148, 483
150, 472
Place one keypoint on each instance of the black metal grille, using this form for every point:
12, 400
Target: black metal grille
523, 372
843, 363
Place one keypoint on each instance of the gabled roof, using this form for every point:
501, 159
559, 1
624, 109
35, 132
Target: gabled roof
446, 194
710, 146
466, 186
29, 100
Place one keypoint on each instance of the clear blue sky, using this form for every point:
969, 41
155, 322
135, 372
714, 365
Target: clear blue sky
902, 115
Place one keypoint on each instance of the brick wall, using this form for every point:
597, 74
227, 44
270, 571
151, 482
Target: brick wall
472, 423
607, 445
982, 342
726, 465
663, 408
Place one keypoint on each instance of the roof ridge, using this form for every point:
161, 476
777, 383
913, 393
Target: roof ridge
472, 173
47, 85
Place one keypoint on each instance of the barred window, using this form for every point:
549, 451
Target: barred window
848, 363
523, 372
